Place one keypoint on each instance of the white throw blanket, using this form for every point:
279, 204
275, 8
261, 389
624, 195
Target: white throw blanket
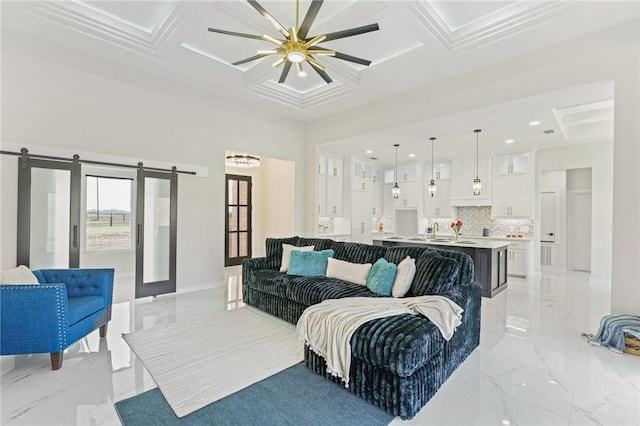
328, 326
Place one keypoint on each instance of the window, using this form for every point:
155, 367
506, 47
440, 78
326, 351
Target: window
108, 213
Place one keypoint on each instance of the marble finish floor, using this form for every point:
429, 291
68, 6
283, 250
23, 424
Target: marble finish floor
532, 366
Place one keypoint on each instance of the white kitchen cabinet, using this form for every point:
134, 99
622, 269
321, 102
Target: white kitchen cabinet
511, 196
334, 166
408, 173
438, 205
334, 196
441, 171
377, 209
361, 175
517, 259
321, 168
508, 164
321, 195
463, 172
408, 195
361, 206
387, 200
378, 176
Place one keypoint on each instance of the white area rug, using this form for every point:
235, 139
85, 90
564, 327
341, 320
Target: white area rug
199, 362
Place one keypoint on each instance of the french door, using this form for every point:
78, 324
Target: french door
156, 232
238, 223
48, 213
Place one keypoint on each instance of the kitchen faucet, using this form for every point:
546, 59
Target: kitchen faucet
436, 228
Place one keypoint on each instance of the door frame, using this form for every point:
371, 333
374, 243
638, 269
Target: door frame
237, 260
143, 289
25, 165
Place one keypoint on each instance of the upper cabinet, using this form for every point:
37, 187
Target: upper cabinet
361, 175
407, 173
438, 205
334, 166
512, 184
509, 164
463, 172
441, 171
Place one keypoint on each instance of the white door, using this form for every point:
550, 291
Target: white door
580, 225
548, 217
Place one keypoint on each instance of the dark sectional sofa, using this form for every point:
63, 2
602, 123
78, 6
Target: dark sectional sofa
398, 363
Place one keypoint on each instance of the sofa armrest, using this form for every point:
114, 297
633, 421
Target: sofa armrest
33, 318
81, 282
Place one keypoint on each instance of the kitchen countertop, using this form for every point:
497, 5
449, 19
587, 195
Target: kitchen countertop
475, 243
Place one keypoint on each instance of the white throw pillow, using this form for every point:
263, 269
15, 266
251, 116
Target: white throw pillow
19, 275
352, 272
404, 277
286, 255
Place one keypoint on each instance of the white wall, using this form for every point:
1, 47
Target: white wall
49, 107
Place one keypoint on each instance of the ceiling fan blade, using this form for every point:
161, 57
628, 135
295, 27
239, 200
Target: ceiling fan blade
252, 58
351, 32
266, 15
309, 18
350, 58
232, 33
322, 73
285, 72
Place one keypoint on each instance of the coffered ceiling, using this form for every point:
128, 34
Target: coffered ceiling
419, 42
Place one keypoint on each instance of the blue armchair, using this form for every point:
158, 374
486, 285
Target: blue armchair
67, 305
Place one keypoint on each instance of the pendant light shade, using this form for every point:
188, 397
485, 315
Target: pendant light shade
477, 185
432, 185
396, 189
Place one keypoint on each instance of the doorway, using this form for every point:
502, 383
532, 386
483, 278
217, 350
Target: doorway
238, 207
579, 230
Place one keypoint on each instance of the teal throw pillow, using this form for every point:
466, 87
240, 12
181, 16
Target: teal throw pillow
309, 263
381, 277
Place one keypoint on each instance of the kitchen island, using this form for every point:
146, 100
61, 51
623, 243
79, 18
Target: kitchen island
489, 257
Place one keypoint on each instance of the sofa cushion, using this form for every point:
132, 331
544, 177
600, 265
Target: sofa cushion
318, 243
404, 277
18, 276
309, 263
312, 290
273, 250
286, 254
358, 252
465, 263
381, 277
397, 254
348, 271
83, 306
435, 274
400, 344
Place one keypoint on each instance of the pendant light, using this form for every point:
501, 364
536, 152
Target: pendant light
432, 186
477, 185
396, 189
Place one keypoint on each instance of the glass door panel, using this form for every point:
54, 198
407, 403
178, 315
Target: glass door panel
238, 224
49, 218
156, 233
48, 213
157, 216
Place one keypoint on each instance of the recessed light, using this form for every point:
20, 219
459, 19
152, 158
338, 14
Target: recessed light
369, 151
534, 123
509, 141
411, 155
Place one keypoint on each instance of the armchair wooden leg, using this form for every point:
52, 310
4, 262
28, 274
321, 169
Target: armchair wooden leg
56, 360
103, 329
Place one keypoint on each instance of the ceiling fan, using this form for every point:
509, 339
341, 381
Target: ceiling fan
297, 46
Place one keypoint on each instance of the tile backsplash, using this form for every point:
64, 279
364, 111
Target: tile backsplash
476, 218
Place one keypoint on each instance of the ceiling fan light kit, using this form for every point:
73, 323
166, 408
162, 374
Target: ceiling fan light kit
297, 47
